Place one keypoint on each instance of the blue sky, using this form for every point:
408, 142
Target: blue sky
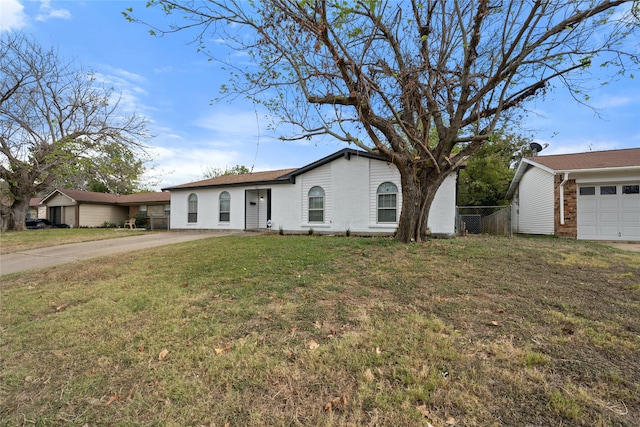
165, 79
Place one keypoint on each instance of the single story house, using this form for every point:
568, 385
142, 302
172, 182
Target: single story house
78, 208
36, 208
587, 196
349, 190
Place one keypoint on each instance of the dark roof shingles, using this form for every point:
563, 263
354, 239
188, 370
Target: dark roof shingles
591, 160
93, 197
244, 178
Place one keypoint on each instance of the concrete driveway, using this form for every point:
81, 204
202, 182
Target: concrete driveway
627, 246
56, 255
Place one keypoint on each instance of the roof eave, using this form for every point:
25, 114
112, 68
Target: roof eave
524, 165
605, 169
281, 180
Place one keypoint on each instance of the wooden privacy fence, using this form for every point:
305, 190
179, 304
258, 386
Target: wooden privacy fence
498, 223
495, 220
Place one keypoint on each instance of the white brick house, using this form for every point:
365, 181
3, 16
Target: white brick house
348, 190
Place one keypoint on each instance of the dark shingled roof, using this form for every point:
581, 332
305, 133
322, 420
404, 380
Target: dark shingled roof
277, 176
591, 160
142, 198
244, 178
104, 198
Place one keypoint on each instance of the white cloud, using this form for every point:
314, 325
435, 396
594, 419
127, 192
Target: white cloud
12, 16
177, 165
245, 124
609, 101
127, 90
48, 12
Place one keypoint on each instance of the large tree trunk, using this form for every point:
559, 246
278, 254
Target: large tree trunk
13, 217
419, 187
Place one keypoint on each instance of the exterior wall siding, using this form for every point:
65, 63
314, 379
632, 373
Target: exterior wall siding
320, 177
442, 217
536, 202
91, 215
350, 203
60, 200
378, 173
69, 216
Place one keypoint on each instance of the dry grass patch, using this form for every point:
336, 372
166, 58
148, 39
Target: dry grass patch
303, 330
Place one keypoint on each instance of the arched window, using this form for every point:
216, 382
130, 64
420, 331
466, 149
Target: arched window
316, 204
225, 206
387, 202
193, 208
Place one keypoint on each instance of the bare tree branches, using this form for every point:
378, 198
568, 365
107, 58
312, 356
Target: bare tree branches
423, 82
53, 117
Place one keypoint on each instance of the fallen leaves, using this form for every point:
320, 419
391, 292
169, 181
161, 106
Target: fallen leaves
112, 399
163, 354
312, 344
224, 349
422, 409
368, 374
337, 403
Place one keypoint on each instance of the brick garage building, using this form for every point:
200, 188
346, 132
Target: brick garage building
588, 196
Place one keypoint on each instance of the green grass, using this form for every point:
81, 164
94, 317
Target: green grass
15, 241
308, 330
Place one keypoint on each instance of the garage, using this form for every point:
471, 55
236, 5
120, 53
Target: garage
609, 211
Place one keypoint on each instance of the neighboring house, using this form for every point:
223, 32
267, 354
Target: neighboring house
348, 190
89, 209
588, 196
36, 208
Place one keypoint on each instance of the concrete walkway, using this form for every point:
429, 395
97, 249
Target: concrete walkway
55, 255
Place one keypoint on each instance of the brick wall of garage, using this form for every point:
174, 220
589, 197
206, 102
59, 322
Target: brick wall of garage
570, 226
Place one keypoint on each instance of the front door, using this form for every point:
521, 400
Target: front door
257, 208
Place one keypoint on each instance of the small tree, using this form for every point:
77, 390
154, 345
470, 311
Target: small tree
55, 122
485, 179
115, 169
212, 172
387, 75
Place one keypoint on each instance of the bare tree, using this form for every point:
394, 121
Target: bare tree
53, 117
422, 82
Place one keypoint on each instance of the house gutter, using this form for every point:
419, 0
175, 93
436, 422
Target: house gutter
564, 181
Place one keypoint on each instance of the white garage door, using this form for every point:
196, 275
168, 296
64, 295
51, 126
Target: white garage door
609, 211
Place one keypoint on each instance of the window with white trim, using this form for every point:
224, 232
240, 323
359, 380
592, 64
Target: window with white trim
387, 196
193, 208
225, 206
316, 204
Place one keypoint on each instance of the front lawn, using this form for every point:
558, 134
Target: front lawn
15, 241
313, 331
